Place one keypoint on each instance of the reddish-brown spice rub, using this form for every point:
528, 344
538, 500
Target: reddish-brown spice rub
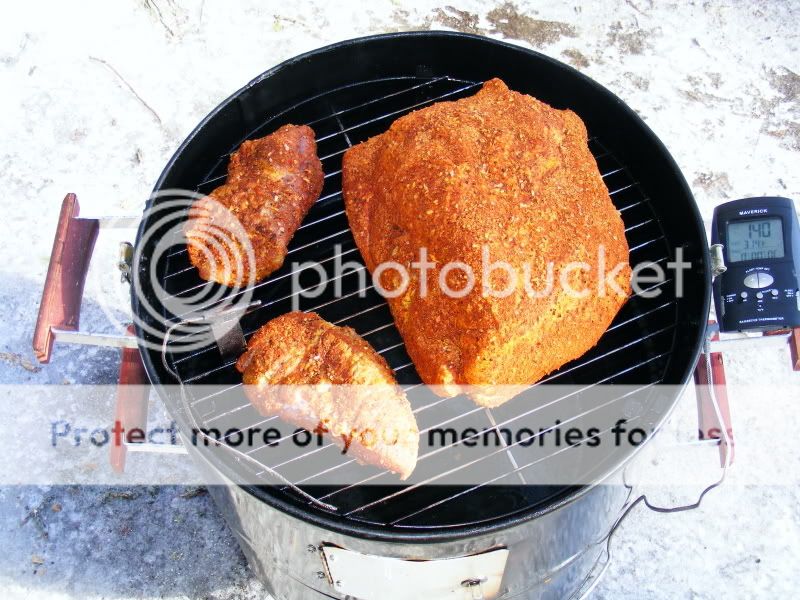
499, 171
272, 183
328, 379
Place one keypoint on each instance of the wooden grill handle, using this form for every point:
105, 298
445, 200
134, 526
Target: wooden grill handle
709, 426
130, 414
66, 275
794, 348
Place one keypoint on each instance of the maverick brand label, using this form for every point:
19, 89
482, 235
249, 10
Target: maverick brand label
759, 320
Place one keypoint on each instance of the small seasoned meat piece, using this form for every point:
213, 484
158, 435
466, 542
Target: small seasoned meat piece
272, 183
499, 177
328, 379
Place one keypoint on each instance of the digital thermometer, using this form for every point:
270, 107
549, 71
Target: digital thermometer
760, 239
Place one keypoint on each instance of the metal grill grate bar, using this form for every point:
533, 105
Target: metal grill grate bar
400, 111
426, 82
518, 469
344, 111
476, 409
461, 467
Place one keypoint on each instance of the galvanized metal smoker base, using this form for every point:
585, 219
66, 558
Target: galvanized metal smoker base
547, 558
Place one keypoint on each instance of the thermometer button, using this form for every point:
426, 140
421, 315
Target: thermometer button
758, 280
743, 295
774, 292
759, 295
751, 280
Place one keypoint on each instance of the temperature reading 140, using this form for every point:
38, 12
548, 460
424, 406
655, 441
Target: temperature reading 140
755, 239
761, 229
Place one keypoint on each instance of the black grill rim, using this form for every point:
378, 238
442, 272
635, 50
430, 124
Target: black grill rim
681, 364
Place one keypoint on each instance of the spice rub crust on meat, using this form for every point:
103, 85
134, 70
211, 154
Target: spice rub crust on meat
272, 183
502, 173
328, 379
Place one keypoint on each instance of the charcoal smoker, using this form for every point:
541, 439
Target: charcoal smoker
498, 539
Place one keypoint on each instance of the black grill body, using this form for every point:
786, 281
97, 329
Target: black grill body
351, 91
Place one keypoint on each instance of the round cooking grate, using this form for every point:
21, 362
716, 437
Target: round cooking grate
637, 349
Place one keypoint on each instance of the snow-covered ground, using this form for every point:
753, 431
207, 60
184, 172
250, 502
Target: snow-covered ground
96, 96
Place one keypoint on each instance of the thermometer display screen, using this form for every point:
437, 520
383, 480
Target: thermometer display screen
755, 239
